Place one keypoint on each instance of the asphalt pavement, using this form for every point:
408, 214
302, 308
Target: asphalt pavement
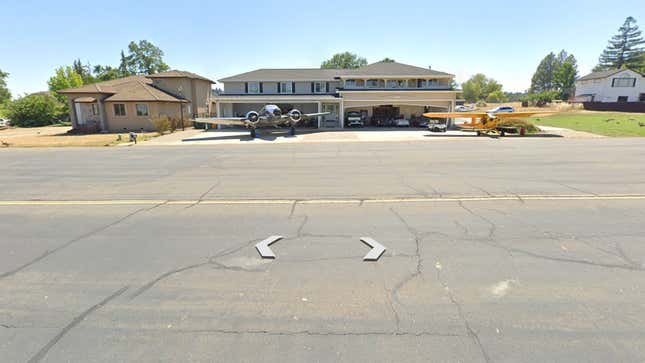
498, 250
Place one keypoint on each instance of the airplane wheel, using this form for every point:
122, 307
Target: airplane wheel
292, 131
479, 133
253, 133
502, 134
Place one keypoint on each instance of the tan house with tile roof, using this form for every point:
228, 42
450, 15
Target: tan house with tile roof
132, 103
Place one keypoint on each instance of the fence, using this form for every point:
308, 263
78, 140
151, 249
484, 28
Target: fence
615, 106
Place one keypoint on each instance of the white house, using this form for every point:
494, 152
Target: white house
622, 85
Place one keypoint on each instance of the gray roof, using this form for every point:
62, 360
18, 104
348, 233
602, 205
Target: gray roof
600, 75
179, 74
382, 69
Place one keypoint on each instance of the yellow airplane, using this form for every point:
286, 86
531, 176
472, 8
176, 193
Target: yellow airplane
487, 123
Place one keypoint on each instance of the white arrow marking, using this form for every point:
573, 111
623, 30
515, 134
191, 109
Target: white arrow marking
263, 247
376, 251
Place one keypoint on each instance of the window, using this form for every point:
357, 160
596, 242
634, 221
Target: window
350, 83
623, 82
641, 97
95, 109
623, 98
319, 87
119, 109
375, 83
142, 109
286, 87
254, 87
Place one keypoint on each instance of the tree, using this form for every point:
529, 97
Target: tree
345, 60
83, 70
65, 77
624, 49
5, 94
143, 58
564, 78
388, 60
496, 97
34, 110
106, 73
123, 66
478, 88
542, 79
555, 73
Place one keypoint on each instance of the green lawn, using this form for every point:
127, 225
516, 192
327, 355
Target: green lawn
601, 123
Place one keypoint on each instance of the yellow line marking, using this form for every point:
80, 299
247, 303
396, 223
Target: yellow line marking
571, 197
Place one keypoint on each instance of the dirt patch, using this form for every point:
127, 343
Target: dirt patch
53, 136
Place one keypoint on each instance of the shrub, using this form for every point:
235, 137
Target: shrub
35, 110
543, 98
514, 122
481, 103
162, 124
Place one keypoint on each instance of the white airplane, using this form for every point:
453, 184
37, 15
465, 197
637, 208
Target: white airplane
268, 116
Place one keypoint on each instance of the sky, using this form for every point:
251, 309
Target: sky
505, 40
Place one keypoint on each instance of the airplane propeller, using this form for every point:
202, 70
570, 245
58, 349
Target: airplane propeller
295, 115
253, 116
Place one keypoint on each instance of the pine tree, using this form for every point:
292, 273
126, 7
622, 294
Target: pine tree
124, 66
624, 49
543, 77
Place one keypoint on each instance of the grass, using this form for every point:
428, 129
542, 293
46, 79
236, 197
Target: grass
614, 124
53, 136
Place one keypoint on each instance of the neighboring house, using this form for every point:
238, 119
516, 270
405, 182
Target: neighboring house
374, 90
132, 103
622, 85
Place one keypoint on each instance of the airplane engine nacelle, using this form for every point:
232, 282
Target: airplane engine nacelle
295, 115
253, 116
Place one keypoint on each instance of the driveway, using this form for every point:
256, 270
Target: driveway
278, 136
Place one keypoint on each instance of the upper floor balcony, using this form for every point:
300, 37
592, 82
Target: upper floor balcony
395, 84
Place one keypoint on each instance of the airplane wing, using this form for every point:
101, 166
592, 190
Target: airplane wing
240, 121
315, 114
523, 114
455, 114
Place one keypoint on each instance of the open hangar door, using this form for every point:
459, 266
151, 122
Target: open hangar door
383, 115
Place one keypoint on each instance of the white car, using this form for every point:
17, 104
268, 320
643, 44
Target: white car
4, 122
464, 108
354, 119
501, 109
402, 123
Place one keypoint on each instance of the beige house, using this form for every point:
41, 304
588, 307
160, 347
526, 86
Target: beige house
377, 91
132, 103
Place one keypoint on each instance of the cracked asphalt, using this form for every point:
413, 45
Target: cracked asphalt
472, 279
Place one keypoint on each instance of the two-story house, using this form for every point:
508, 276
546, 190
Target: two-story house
375, 90
621, 85
132, 103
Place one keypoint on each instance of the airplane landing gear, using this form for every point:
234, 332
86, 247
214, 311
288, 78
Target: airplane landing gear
253, 133
292, 131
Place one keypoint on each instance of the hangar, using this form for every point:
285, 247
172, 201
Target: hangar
380, 92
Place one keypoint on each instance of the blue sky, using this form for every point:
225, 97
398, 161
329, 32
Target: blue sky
503, 39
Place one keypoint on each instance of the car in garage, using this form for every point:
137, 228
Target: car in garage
402, 122
435, 125
354, 119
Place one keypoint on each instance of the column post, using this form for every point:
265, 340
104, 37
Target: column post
102, 115
320, 117
72, 113
341, 114
218, 107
